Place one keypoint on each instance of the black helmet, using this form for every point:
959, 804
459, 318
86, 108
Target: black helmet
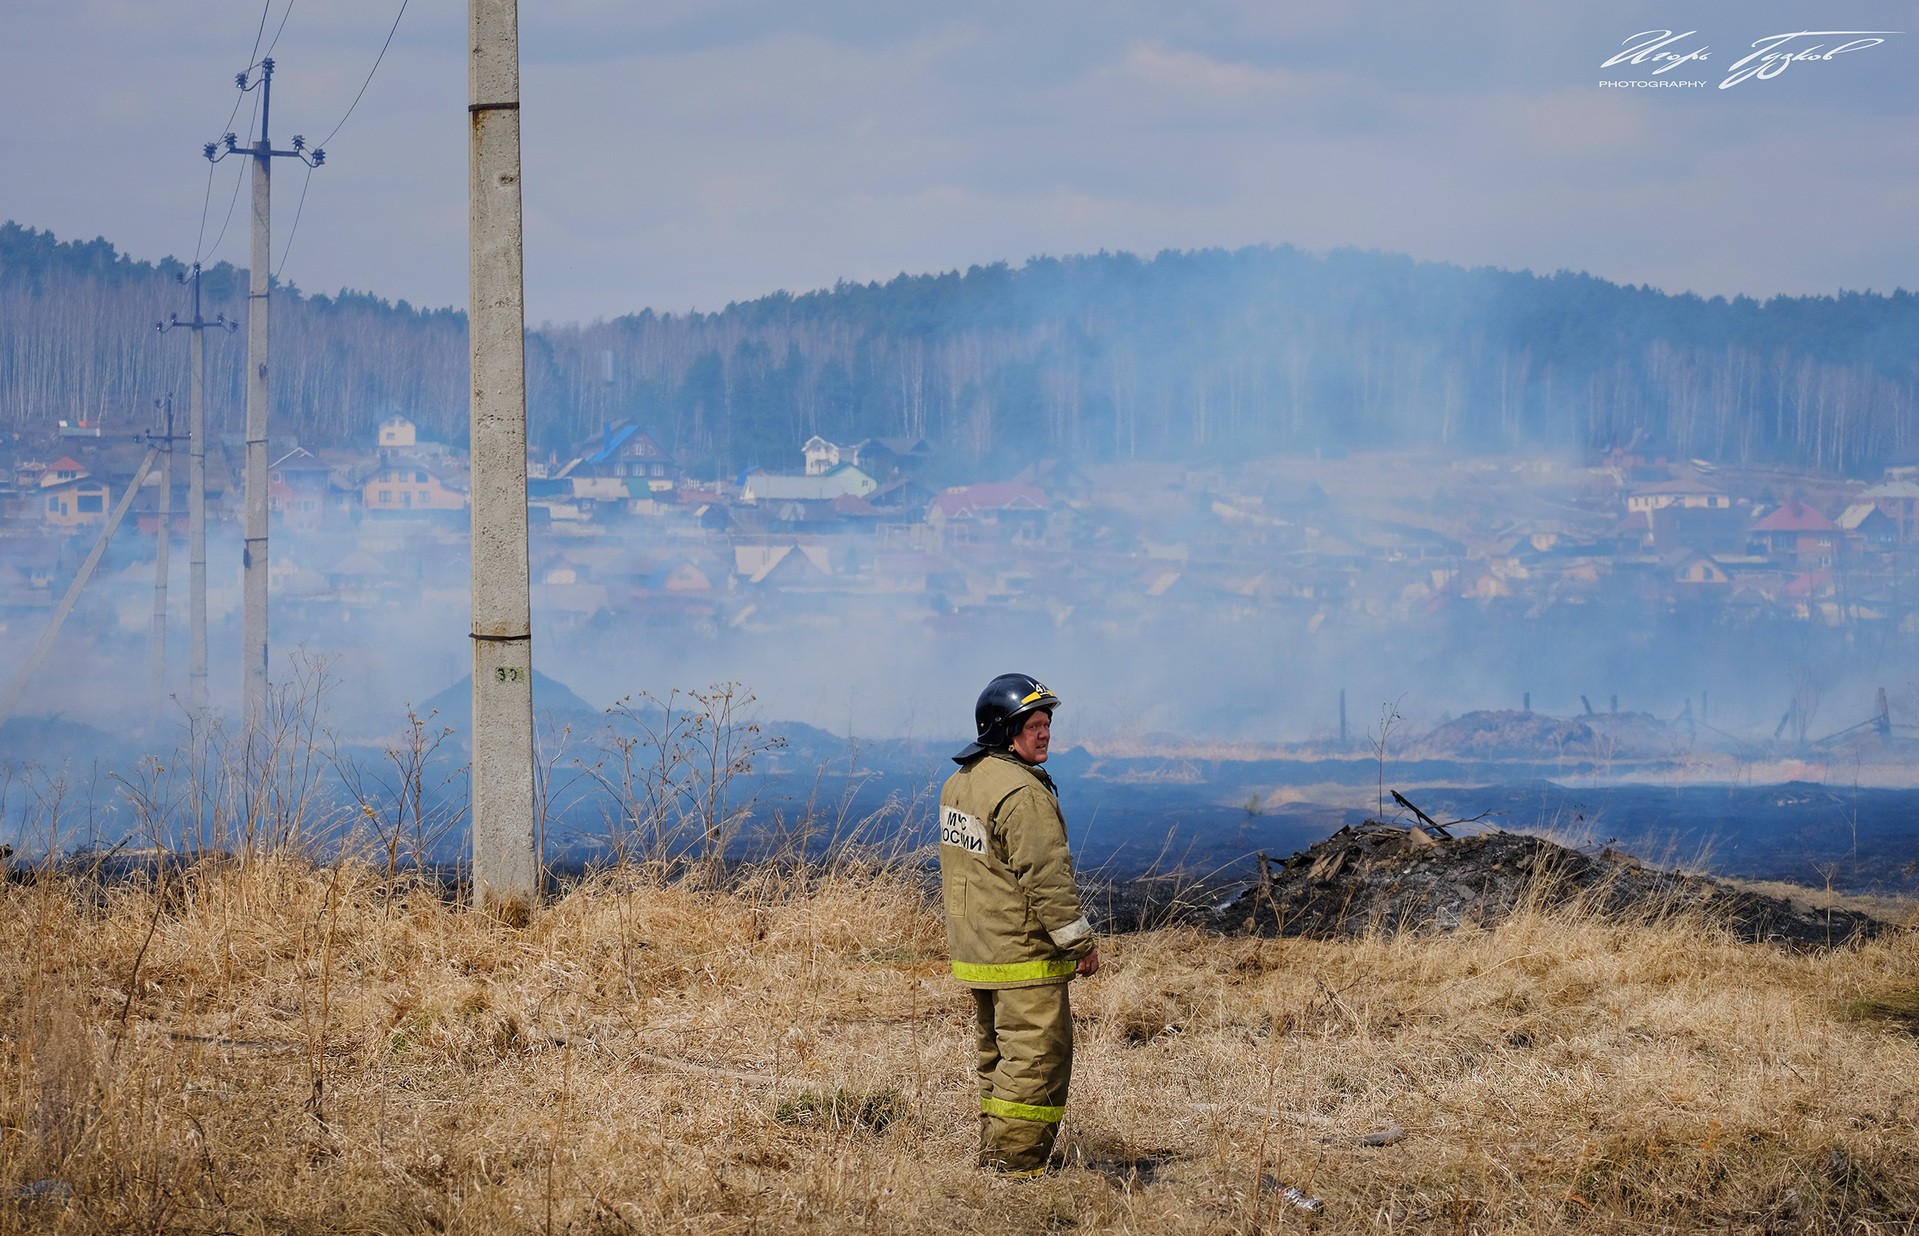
1001, 705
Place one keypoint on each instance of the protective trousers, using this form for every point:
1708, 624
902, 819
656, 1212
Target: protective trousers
1025, 1063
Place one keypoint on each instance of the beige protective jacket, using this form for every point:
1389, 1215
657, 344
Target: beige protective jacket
1013, 917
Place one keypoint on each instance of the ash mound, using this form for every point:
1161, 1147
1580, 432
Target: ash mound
1385, 877
1507, 734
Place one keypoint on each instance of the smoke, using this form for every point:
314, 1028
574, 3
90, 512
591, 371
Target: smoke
1385, 577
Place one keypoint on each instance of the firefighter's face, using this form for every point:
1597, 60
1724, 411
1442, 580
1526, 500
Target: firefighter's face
1034, 737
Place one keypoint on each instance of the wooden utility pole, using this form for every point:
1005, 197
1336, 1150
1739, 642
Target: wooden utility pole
506, 862
196, 489
253, 623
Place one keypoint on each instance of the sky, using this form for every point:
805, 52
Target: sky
682, 155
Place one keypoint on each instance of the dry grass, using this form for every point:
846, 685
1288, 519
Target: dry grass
272, 1046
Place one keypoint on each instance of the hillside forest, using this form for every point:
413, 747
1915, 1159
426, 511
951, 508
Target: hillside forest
1186, 355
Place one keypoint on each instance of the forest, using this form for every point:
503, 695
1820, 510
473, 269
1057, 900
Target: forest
1194, 355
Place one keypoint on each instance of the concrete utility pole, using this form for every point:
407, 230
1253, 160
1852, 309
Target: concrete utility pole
506, 862
24, 674
196, 490
253, 626
162, 551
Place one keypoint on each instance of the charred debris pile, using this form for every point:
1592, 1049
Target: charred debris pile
1389, 877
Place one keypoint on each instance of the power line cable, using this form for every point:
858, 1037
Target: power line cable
299, 210
282, 29
295, 229
238, 100
206, 208
253, 57
252, 62
238, 175
323, 142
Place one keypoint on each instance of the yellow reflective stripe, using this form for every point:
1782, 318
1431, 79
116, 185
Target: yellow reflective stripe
1021, 1111
1012, 972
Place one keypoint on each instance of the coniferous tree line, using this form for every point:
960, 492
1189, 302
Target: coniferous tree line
1198, 355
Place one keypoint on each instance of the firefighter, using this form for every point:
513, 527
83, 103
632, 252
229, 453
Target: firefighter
1014, 925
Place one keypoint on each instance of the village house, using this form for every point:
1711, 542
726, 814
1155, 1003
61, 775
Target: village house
1898, 500
291, 579
891, 458
1813, 596
64, 469
820, 455
880, 458
902, 500
649, 571
1867, 526
362, 579
1689, 512
70, 506
145, 511
838, 481
398, 434
1004, 511
20, 491
1694, 574
300, 491
1796, 532
649, 586
564, 590
405, 486
783, 563
1693, 492
400, 438
792, 569
622, 453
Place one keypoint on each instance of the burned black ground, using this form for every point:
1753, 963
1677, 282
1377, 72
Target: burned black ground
1382, 877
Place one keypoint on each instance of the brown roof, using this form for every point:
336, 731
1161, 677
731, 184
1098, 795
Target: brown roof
1794, 516
969, 500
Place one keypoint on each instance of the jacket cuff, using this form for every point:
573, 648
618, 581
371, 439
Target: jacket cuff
1071, 934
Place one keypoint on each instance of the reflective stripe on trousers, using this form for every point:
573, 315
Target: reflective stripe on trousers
1021, 1111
